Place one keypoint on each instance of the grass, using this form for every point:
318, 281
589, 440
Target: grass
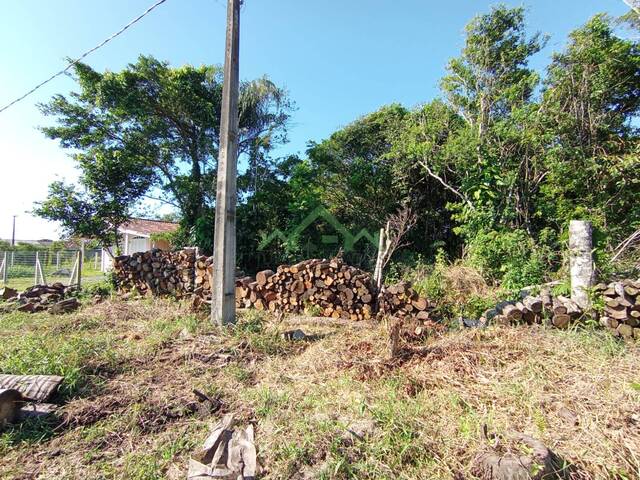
130, 369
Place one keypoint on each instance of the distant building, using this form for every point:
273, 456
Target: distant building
136, 237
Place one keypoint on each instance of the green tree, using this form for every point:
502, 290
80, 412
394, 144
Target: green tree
491, 87
590, 107
355, 171
163, 123
95, 212
491, 77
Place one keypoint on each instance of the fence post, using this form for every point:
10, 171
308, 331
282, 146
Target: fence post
580, 261
4, 269
79, 263
35, 270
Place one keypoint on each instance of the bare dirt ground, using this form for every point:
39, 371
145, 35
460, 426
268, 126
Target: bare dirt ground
130, 411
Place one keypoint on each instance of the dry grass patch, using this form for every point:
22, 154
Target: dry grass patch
133, 414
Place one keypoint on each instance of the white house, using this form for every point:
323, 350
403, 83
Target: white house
136, 237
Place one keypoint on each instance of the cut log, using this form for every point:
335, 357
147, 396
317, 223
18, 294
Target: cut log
512, 313
558, 307
625, 330
10, 401
619, 313
561, 320
263, 276
420, 303
533, 303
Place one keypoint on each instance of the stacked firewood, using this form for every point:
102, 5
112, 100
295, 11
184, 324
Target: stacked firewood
621, 313
157, 272
54, 298
203, 275
328, 288
401, 300
558, 311
620, 309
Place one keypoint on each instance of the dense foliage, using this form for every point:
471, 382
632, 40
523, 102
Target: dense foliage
152, 130
495, 168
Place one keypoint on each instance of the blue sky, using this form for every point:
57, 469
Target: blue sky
338, 59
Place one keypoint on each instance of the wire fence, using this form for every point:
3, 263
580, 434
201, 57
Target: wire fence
22, 269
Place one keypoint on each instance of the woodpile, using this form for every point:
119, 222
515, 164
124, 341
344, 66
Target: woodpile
157, 272
319, 287
331, 288
619, 309
55, 298
621, 315
203, 276
402, 301
328, 288
558, 311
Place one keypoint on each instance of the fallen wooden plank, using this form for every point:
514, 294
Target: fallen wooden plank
36, 410
38, 388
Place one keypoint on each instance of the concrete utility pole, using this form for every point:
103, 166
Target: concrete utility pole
13, 235
223, 301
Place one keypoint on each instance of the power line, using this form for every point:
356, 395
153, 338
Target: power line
135, 20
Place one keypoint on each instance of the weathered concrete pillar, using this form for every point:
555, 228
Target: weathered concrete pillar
223, 291
580, 261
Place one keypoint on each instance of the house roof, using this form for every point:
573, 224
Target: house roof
145, 228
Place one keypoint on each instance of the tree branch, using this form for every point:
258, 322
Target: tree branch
446, 185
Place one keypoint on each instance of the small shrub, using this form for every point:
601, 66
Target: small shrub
563, 288
512, 258
433, 286
104, 288
456, 289
476, 305
312, 310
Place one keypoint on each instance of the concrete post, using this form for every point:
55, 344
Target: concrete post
35, 267
78, 269
223, 304
5, 267
80, 263
581, 261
